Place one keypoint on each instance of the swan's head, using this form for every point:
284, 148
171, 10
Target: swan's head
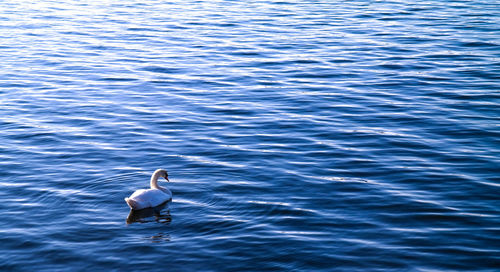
163, 173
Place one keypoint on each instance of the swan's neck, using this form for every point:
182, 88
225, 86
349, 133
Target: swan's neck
154, 181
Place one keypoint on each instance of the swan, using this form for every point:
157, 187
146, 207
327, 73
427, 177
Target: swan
148, 198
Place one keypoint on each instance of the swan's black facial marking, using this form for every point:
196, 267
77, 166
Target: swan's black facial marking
163, 173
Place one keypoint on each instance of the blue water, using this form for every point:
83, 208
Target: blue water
298, 135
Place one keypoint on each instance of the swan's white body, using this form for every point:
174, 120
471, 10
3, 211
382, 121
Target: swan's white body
148, 198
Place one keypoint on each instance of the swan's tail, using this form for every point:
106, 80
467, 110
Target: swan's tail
132, 204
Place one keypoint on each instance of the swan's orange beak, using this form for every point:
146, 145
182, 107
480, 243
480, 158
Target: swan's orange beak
167, 179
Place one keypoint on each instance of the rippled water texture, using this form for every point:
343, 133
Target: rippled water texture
298, 135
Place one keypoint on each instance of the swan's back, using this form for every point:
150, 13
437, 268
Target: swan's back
146, 198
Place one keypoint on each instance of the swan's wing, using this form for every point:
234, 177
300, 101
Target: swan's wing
150, 197
139, 194
157, 197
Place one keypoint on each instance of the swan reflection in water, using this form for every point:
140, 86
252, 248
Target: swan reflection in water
155, 214
160, 237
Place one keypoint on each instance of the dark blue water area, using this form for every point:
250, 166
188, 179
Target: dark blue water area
298, 135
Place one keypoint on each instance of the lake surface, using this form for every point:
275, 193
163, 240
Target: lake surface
298, 135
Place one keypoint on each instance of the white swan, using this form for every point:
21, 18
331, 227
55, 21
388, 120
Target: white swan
147, 198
